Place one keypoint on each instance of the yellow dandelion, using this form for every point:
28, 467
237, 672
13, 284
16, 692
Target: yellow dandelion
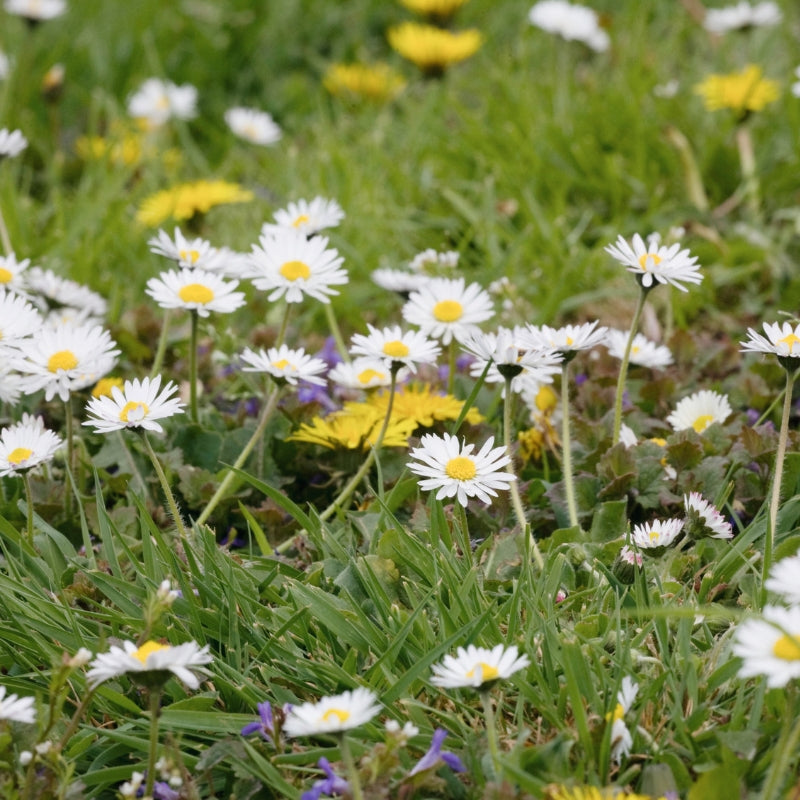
126, 151
356, 427
423, 406
184, 201
741, 92
531, 444
433, 49
439, 10
104, 386
560, 792
376, 83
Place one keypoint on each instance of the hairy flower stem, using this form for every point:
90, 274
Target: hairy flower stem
155, 711
336, 332
162, 478
566, 446
193, 369
161, 349
258, 433
623, 368
279, 339
491, 734
26, 479
350, 766
747, 159
460, 514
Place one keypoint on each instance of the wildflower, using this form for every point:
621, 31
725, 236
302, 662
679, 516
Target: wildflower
435, 756
653, 263
627, 564
332, 714
16, 709
103, 387
657, 535
424, 406
780, 340
401, 735
195, 290
396, 347
362, 373
12, 272
252, 125
188, 199
137, 405
440, 10
332, 783
285, 364
741, 92
571, 21
150, 663
783, 579
355, 427
80, 659
699, 410
704, 520
433, 49
377, 83
398, 280
627, 436
643, 352
36, 10
157, 101
621, 739
478, 667
305, 216
18, 318
446, 309
742, 15
194, 253
770, 646
62, 294
269, 722
287, 264
12, 143
568, 340
125, 149
25, 445
431, 260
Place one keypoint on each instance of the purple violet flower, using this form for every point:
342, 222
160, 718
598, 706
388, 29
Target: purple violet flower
265, 726
435, 756
330, 785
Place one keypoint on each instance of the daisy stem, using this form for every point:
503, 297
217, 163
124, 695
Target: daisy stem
26, 479
350, 767
784, 751
284, 325
161, 349
460, 513
155, 711
76, 718
452, 354
258, 433
333, 324
776, 482
193, 368
491, 734
747, 159
623, 368
4, 237
346, 493
70, 455
173, 506
566, 446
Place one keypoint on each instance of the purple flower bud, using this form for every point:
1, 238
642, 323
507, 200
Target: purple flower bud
435, 757
331, 785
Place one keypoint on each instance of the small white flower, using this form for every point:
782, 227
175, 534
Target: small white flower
742, 15
408, 731
430, 260
18, 318
451, 468
477, 667
571, 21
11, 382
12, 143
712, 523
130, 788
770, 646
26, 445
362, 373
253, 125
305, 216
643, 352
394, 346
627, 436
195, 290
81, 658
332, 714
398, 280
25, 758
781, 339
51, 291
653, 263
16, 709
285, 364
657, 534
189, 253
568, 340
36, 10
156, 101
621, 739
784, 579
699, 410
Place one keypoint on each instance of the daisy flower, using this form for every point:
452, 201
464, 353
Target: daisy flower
305, 216
36, 10
18, 318
156, 101
431, 48
780, 340
627, 564
477, 667
742, 15
653, 263
657, 535
784, 579
699, 410
285, 364
439, 9
770, 646
572, 22
195, 290
152, 657
187, 200
377, 83
289, 265
11, 382
12, 143
252, 125
704, 520
567, 340
431, 260
137, 405
26, 445
446, 309
450, 466
188, 253
643, 352
332, 714
396, 347
65, 358
621, 739
398, 280
56, 292
16, 709
362, 373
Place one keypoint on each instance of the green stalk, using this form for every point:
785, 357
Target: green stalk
566, 446
463, 525
4, 237
173, 506
26, 479
623, 369
155, 710
784, 751
76, 718
336, 332
491, 734
350, 767
193, 368
452, 355
161, 349
284, 325
70, 456
747, 159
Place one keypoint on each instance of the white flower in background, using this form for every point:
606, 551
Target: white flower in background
448, 309
18, 318
16, 709
332, 714
699, 410
12, 143
36, 10
784, 579
621, 739
306, 216
194, 253
568, 340
796, 85
451, 468
137, 405
51, 291
286, 364
25, 445
394, 346
704, 520
770, 646
11, 382
398, 280
657, 534
571, 21
157, 101
627, 436
781, 339
653, 263
252, 125
668, 89
195, 290
362, 373
477, 667
742, 15
643, 352
12, 273
287, 264
431, 260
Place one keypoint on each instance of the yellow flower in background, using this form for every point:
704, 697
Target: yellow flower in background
440, 10
423, 405
376, 83
356, 427
741, 92
188, 199
104, 386
126, 151
433, 49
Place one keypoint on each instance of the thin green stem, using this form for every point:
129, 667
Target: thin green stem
70, 455
26, 479
152, 758
491, 734
193, 368
284, 325
76, 718
258, 433
566, 446
161, 349
4, 237
460, 513
747, 159
173, 506
452, 354
350, 768
623, 368
333, 324
784, 752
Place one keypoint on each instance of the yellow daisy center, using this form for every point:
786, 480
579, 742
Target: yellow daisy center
790, 341
367, 375
570, 341
190, 255
196, 293
18, 455
488, 672
617, 713
635, 349
340, 714
147, 649
448, 310
63, 359
460, 468
282, 364
301, 220
653, 535
5, 275
643, 260
250, 131
787, 648
396, 349
702, 422
134, 405
292, 270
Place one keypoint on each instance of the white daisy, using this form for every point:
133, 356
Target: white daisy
16, 709
18, 318
195, 290
704, 520
450, 466
742, 15
653, 263
770, 646
621, 739
306, 217
643, 352
252, 125
26, 445
446, 308
156, 101
188, 253
699, 410
137, 405
569, 340
36, 10
571, 21
627, 436
285, 364
431, 260
656, 535
11, 382
12, 143
12, 273
398, 280
332, 714
478, 666
182, 661
362, 373
51, 291
395, 347
287, 264
784, 579
781, 339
